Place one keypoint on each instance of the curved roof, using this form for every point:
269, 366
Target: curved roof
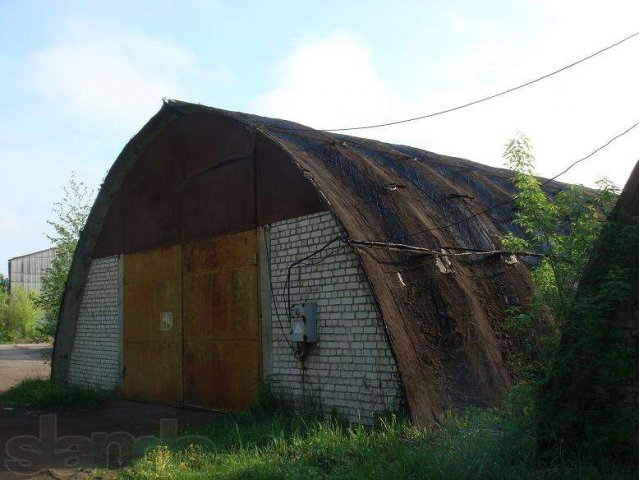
443, 315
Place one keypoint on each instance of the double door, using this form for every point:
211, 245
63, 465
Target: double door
191, 334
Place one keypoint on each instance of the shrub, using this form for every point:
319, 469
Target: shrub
19, 315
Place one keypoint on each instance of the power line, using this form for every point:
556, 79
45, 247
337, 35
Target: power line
468, 104
512, 199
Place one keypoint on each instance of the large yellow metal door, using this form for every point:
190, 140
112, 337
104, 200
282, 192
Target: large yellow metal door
221, 335
152, 330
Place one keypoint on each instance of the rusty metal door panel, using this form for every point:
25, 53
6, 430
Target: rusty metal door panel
218, 201
282, 189
222, 304
212, 141
152, 219
152, 326
221, 322
153, 372
228, 251
221, 375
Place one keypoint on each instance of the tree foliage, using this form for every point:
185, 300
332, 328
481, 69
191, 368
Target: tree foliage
19, 315
564, 229
69, 217
577, 349
588, 402
4, 284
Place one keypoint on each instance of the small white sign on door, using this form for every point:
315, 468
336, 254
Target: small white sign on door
166, 321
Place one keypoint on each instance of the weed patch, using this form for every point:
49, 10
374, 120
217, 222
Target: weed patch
44, 393
474, 445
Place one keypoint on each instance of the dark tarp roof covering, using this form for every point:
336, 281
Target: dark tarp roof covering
444, 316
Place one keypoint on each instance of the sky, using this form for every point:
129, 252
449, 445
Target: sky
79, 79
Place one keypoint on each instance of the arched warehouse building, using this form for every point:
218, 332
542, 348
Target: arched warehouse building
178, 292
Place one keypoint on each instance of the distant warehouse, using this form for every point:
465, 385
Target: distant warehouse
26, 271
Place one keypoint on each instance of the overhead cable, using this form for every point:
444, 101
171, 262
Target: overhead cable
468, 104
515, 197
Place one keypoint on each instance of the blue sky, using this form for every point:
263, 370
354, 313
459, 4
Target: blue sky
78, 79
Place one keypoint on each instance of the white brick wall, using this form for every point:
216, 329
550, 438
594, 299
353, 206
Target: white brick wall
351, 369
95, 359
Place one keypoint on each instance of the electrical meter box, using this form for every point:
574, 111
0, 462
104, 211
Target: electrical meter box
304, 324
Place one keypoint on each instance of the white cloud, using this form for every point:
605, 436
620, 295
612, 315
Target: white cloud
327, 81
333, 82
112, 75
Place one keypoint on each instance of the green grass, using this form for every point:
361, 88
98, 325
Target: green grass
44, 393
286, 445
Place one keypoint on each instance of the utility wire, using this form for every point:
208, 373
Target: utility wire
397, 246
274, 299
515, 197
462, 252
468, 104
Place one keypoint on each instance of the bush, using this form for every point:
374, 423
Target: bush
19, 315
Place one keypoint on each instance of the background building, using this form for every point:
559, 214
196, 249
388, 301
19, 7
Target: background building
26, 270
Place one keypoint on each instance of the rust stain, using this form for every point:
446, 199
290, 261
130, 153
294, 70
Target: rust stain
153, 347
221, 322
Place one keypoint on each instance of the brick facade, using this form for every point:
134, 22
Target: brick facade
351, 370
95, 359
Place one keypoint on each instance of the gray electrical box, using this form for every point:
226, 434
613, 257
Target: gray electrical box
304, 324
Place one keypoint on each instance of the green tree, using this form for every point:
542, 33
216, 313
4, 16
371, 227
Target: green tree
4, 284
70, 215
563, 228
588, 405
578, 340
4, 305
19, 315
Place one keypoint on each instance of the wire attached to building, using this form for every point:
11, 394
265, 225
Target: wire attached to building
468, 104
463, 252
300, 261
274, 300
301, 353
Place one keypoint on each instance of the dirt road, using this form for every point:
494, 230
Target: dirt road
17, 362
57, 443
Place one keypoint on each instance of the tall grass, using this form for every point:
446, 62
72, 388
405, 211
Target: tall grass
284, 444
41, 393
